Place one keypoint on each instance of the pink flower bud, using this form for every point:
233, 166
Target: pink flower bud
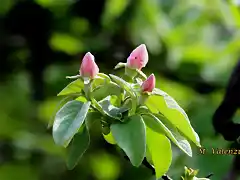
149, 84
138, 58
88, 67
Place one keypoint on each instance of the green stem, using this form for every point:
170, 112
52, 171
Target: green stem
141, 74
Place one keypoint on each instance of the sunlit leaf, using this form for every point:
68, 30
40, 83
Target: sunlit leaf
235, 14
72, 88
123, 84
131, 137
120, 65
68, 120
156, 125
182, 142
142, 110
130, 73
116, 100
167, 106
105, 76
81, 99
109, 138
159, 92
106, 89
149, 157
159, 148
98, 81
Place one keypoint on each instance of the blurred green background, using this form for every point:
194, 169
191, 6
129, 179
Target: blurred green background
193, 46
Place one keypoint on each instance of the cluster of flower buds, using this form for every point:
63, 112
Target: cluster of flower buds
136, 60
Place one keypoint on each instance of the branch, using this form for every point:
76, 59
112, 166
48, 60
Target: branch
210, 175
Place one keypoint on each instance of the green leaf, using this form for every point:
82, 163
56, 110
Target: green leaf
156, 125
182, 142
106, 89
127, 87
97, 106
131, 73
96, 82
77, 148
137, 88
59, 105
74, 77
131, 137
110, 110
105, 76
92, 118
167, 106
142, 110
116, 100
81, 99
159, 92
109, 138
123, 84
120, 65
68, 120
160, 150
148, 157
99, 81
72, 88
105, 126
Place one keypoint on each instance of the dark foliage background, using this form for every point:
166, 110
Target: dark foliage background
193, 46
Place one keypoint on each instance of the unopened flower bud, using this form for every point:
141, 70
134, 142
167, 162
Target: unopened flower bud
138, 58
149, 84
88, 67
